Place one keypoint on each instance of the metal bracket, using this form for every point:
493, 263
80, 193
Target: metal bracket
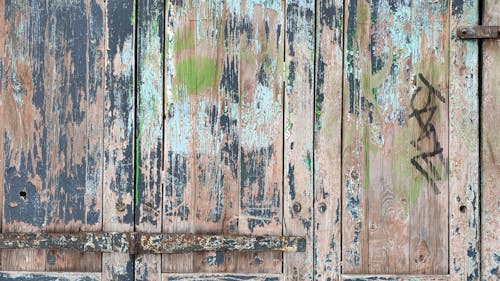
478, 32
148, 243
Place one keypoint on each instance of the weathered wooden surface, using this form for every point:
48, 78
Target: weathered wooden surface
236, 128
490, 149
298, 134
223, 127
48, 276
327, 139
149, 129
464, 221
119, 107
51, 106
222, 277
408, 277
395, 187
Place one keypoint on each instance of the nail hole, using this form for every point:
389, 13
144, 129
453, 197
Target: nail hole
22, 193
462, 209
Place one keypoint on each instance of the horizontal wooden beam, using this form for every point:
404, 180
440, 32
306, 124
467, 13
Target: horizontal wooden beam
220, 277
372, 277
49, 276
147, 243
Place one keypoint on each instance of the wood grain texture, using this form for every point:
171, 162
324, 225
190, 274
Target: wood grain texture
149, 129
298, 144
48, 276
490, 149
407, 277
428, 122
327, 139
223, 123
52, 88
222, 277
464, 197
395, 131
119, 122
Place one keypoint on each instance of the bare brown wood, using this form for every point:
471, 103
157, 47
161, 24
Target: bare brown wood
395, 132
51, 130
464, 197
490, 149
327, 140
298, 130
428, 123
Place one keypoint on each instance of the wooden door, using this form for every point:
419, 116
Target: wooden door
353, 124
409, 142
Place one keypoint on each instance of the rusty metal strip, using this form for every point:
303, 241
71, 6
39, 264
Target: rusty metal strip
478, 32
138, 243
179, 243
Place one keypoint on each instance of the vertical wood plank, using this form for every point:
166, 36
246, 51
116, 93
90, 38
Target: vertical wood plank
355, 156
51, 94
119, 132
179, 190
217, 129
428, 122
375, 223
149, 130
298, 131
490, 150
261, 25
464, 146
327, 139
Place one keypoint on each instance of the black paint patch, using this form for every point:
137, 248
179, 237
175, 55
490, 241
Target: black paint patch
260, 209
229, 80
175, 187
291, 180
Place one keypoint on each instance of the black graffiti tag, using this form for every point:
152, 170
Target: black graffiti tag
425, 161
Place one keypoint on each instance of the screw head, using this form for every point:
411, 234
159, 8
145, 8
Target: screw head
322, 207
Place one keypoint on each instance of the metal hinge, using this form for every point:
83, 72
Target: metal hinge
149, 243
478, 32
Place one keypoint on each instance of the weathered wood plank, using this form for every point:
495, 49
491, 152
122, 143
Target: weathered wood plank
375, 219
395, 134
298, 144
179, 191
119, 132
260, 31
149, 129
347, 277
222, 277
428, 124
48, 276
490, 149
53, 65
327, 139
463, 146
